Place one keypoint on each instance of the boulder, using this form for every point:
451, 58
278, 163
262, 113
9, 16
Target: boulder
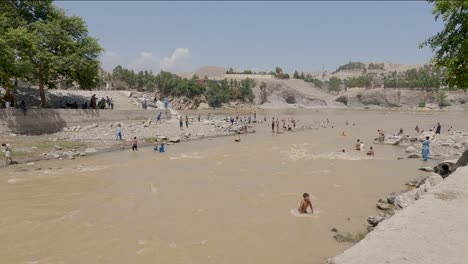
405, 199
56, 147
174, 140
90, 150
428, 169
434, 179
463, 160
383, 206
374, 220
414, 156
457, 145
339, 238
410, 149
445, 168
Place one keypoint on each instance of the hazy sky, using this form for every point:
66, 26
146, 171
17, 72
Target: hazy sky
308, 36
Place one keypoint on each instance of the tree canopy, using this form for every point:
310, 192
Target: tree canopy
451, 44
41, 43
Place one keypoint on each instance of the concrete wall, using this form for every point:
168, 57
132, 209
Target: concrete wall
38, 121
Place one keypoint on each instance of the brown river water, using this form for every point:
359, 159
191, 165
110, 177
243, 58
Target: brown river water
212, 200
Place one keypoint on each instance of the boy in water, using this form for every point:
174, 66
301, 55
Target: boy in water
135, 144
370, 152
304, 204
8, 158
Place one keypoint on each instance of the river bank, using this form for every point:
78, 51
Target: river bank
429, 230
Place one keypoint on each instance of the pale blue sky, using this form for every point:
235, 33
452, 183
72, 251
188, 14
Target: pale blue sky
181, 36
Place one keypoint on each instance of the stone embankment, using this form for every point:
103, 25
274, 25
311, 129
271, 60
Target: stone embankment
424, 225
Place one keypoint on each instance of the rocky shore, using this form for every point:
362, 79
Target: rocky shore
395, 205
77, 141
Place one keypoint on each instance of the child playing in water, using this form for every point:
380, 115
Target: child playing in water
304, 204
155, 148
358, 145
8, 159
161, 148
370, 152
135, 144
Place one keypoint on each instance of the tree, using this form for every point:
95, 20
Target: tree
451, 44
263, 92
46, 46
63, 50
296, 75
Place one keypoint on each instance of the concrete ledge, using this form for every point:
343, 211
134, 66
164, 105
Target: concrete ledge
431, 230
52, 120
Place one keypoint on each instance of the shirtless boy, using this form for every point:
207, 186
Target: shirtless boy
304, 204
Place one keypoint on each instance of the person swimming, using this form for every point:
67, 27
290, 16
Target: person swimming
305, 202
237, 139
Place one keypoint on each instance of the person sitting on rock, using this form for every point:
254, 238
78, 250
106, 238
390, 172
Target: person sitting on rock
305, 202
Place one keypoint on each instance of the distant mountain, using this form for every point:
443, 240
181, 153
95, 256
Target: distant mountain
210, 71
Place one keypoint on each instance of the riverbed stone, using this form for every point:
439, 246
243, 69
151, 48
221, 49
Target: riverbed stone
428, 169
383, 206
410, 149
90, 150
374, 220
174, 139
414, 156
405, 199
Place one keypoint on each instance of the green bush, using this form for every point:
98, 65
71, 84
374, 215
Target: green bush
442, 99
422, 103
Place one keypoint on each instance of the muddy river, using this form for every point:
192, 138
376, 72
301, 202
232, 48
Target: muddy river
212, 200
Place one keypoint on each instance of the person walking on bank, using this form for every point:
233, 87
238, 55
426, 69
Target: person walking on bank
425, 149
439, 127
186, 121
181, 123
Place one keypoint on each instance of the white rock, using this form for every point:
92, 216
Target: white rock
410, 149
57, 147
174, 140
434, 179
90, 150
30, 163
428, 169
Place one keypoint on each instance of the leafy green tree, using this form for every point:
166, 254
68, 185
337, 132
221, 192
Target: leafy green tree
64, 50
451, 44
263, 92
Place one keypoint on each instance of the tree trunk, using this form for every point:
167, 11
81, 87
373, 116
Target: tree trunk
42, 93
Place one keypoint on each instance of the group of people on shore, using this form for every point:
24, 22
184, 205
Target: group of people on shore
287, 124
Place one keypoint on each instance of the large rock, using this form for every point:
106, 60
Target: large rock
90, 150
383, 206
414, 156
174, 139
374, 220
434, 179
463, 160
410, 149
404, 200
428, 169
445, 168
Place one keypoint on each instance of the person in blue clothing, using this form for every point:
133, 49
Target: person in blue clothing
425, 149
155, 148
118, 132
161, 148
158, 117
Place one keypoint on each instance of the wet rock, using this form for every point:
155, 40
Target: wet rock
90, 150
414, 156
428, 169
383, 206
405, 199
334, 230
410, 149
370, 228
374, 220
174, 140
445, 168
339, 238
